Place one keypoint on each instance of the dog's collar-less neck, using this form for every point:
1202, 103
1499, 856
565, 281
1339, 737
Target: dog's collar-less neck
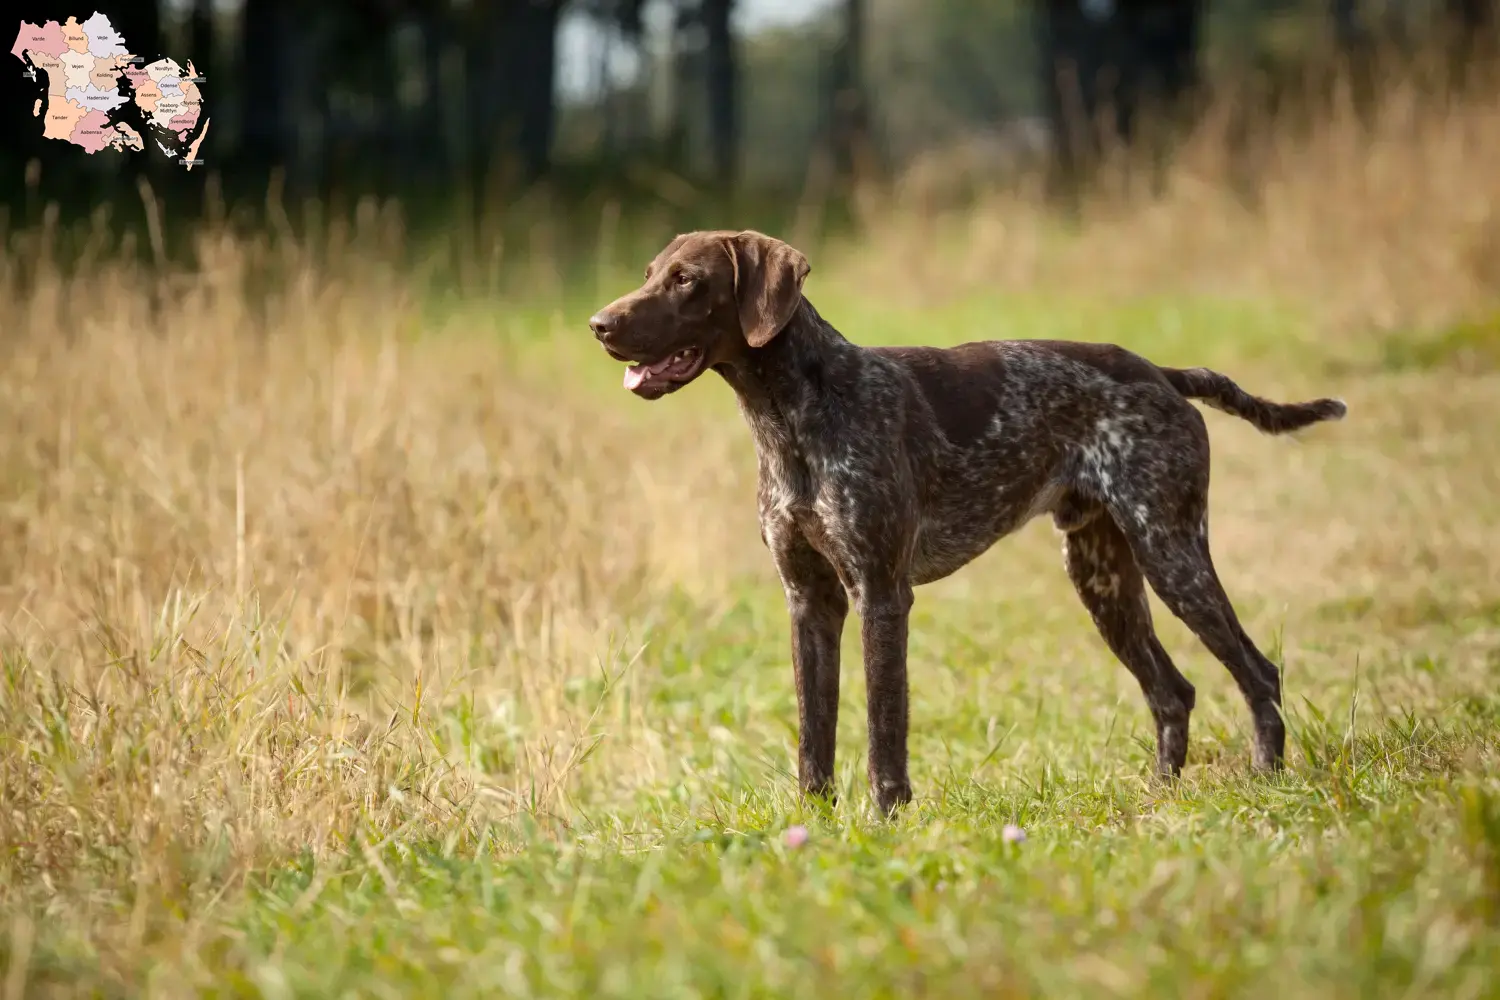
780, 386
781, 380
784, 369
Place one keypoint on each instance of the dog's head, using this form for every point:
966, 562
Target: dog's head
708, 297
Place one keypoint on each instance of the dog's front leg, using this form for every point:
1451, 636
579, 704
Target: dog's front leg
883, 616
818, 607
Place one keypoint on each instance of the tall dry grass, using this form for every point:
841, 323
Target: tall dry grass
255, 551
288, 565
1380, 215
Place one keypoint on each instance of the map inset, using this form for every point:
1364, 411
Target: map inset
101, 95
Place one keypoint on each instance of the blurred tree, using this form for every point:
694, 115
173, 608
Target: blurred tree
202, 36
429, 146
1475, 17
263, 78
1105, 63
20, 129
1349, 27
1355, 40
684, 82
624, 14
948, 74
510, 70
848, 118
1471, 29
621, 127
721, 70
407, 96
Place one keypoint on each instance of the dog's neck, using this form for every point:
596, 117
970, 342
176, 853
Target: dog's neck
779, 386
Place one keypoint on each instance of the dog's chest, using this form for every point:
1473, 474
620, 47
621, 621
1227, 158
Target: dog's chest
823, 499
788, 493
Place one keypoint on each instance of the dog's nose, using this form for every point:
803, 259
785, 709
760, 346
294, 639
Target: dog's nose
603, 324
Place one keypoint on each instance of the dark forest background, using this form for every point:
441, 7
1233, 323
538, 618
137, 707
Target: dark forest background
458, 108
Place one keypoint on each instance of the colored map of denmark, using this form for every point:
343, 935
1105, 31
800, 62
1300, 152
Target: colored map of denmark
101, 95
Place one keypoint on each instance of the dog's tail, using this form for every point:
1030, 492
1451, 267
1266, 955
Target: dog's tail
1220, 392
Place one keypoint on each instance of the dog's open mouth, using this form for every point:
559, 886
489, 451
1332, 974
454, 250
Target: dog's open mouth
665, 375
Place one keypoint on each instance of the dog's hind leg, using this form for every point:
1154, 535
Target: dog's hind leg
1110, 584
1176, 560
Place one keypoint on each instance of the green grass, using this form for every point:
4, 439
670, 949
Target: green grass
588, 794
1372, 868
1359, 880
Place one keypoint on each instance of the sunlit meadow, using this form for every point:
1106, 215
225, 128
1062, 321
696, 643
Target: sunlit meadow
364, 638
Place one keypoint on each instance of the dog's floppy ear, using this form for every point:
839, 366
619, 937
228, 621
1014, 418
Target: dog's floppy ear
768, 276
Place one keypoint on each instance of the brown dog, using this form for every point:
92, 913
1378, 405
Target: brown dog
885, 468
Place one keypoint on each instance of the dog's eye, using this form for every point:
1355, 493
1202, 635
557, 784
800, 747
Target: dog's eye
684, 279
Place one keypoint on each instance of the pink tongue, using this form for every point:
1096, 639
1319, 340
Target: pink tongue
635, 375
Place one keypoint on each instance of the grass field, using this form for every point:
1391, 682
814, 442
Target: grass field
356, 643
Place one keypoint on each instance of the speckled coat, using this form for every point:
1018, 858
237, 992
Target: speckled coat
881, 469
